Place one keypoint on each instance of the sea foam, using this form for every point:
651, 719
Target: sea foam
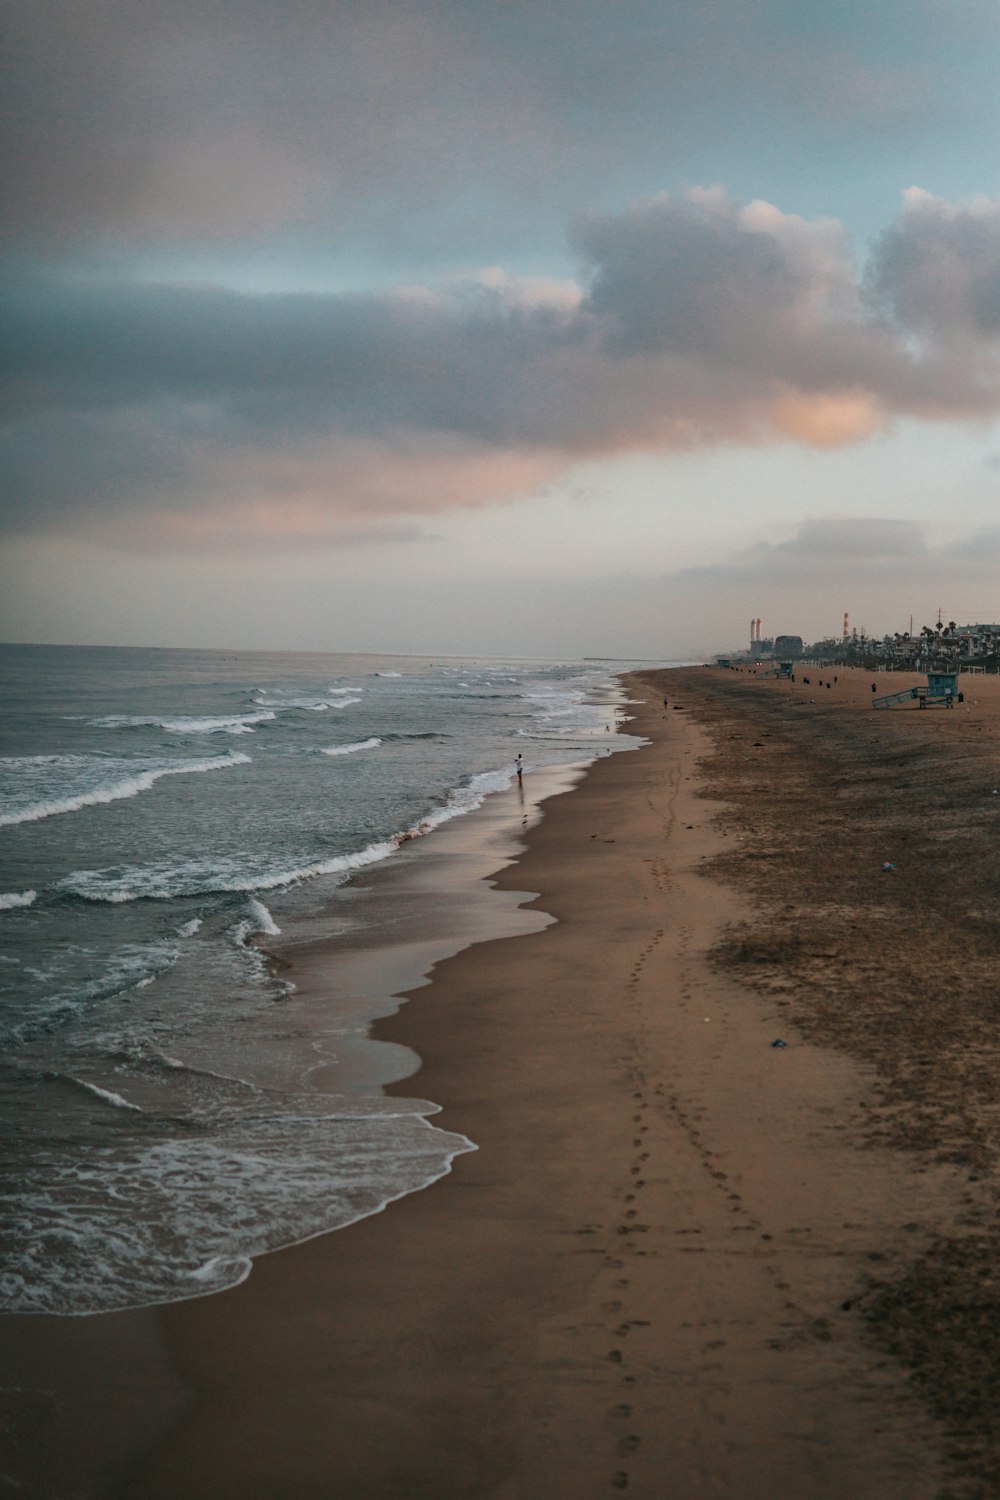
11, 899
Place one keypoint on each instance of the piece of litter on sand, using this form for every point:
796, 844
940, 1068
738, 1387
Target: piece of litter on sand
888, 868
779, 1043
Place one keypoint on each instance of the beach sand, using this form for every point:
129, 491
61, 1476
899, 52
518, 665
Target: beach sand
684, 1262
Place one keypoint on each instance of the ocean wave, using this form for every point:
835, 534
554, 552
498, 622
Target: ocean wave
88, 769
144, 1056
89, 1243
465, 799
132, 967
188, 723
310, 705
205, 877
107, 1096
262, 919
197, 877
11, 899
421, 734
369, 744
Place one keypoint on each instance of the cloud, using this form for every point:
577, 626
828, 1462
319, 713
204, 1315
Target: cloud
837, 550
980, 549
856, 539
132, 122
937, 268
696, 321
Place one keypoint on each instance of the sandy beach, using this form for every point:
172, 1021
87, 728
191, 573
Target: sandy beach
684, 1261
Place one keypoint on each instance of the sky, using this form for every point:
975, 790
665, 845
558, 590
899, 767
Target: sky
509, 327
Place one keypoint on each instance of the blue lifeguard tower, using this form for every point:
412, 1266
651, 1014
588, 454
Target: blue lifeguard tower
941, 690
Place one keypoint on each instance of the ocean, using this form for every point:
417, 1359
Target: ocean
170, 1106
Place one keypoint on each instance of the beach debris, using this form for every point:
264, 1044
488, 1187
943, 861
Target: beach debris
888, 868
779, 1042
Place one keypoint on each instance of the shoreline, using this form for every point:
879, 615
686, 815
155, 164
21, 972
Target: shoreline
650, 1276
84, 1395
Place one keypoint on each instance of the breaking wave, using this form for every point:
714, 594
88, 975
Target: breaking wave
84, 768
11, 899
370, 744
188, 723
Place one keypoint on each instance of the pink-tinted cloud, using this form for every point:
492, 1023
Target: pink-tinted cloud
340, 495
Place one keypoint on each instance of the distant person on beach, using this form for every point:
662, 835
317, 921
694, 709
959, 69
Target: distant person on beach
519, 767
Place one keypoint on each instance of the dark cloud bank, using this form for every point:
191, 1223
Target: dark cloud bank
147, 410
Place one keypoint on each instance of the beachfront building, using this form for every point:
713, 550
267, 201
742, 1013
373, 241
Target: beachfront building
943, 646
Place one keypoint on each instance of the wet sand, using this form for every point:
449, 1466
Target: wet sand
683, 1261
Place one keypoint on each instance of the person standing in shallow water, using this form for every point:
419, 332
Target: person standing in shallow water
519, 767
